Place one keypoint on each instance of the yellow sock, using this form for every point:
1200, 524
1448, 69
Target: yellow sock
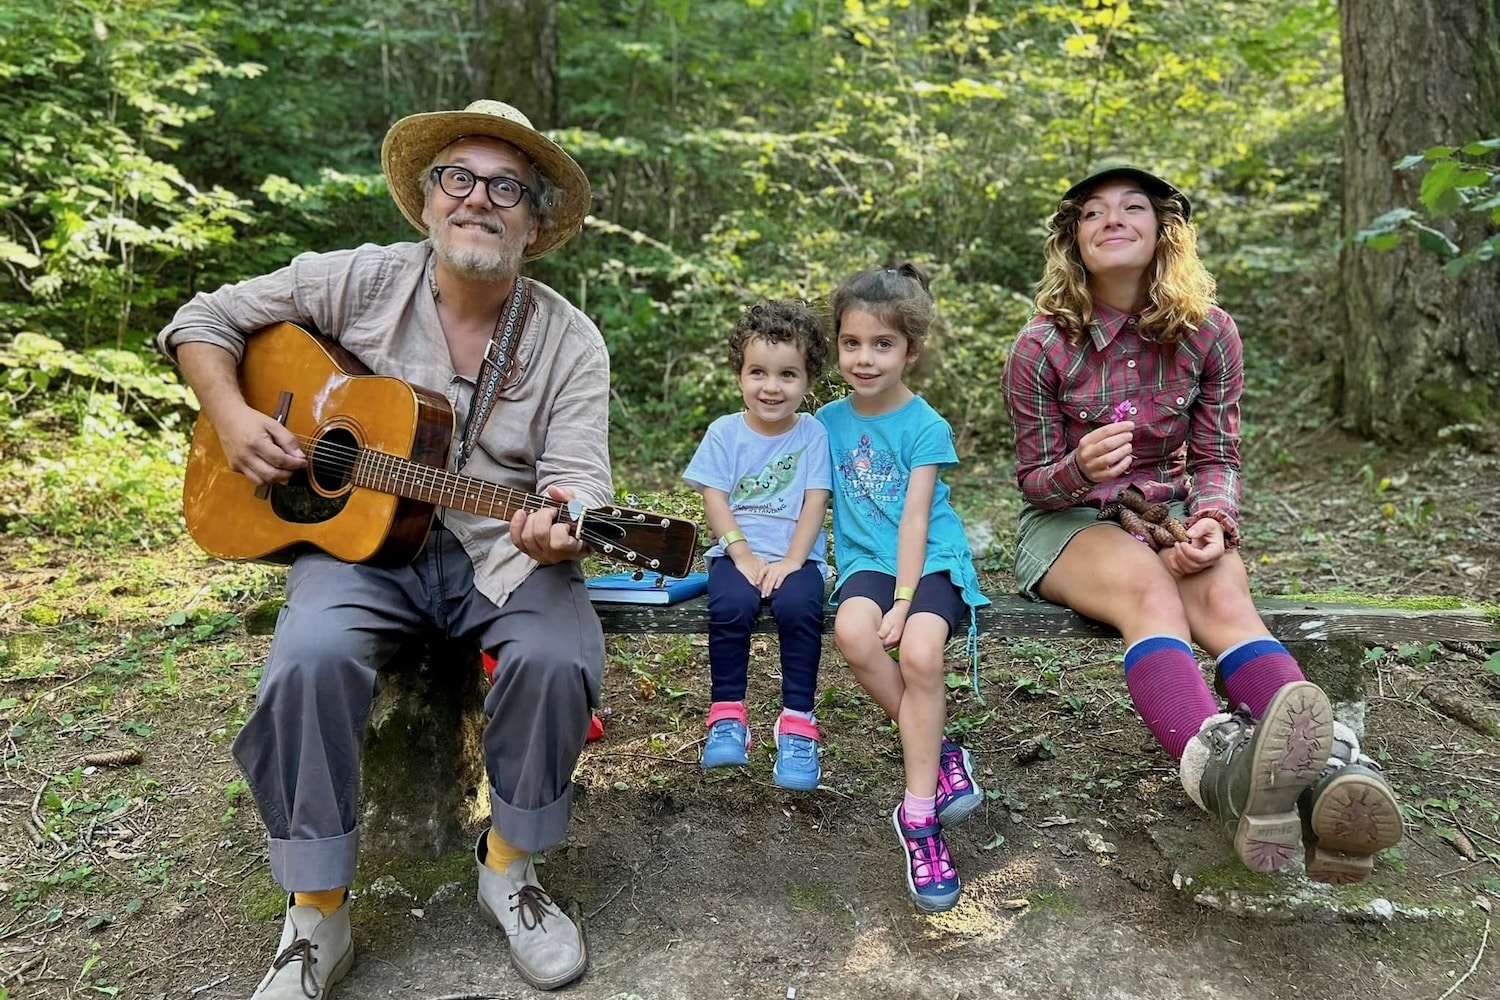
326, 900
498, 854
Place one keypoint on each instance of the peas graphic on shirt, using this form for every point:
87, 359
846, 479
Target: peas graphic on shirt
778, 474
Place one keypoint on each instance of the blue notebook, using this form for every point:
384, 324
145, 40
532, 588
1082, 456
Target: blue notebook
651, 588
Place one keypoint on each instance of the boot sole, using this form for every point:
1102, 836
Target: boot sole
1290, 746
1355, 816
555, 982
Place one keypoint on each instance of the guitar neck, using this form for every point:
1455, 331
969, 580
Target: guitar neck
404, 478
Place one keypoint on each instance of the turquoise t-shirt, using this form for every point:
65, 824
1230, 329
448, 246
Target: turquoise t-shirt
872, 462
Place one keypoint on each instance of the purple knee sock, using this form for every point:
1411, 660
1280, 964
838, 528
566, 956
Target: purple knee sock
1168, 690
1254, 671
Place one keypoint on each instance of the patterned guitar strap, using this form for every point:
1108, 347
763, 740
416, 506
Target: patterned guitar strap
497, 368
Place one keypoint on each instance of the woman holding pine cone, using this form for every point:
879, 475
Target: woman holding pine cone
1124, 395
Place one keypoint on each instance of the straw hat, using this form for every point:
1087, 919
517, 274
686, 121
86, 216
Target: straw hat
1149, 182
412, 142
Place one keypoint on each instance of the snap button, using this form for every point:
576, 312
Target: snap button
1180, 400
1083, 415
1130, 363
1132, 411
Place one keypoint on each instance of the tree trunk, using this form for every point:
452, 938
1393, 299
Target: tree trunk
423, 785
1420, 351
519, 62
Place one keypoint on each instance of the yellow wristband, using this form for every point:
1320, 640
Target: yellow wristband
905, 593
730, 537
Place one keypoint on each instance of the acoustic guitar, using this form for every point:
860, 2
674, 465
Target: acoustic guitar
377, 450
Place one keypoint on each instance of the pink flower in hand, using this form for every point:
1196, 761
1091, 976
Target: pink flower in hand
1120, 412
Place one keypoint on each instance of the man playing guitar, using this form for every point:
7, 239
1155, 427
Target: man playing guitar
527, 377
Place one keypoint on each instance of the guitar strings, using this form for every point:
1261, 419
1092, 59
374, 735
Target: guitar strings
342, 459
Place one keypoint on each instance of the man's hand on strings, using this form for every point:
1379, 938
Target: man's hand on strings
539, 534
257, 447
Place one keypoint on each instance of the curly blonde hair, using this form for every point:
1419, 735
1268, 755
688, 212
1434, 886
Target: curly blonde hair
1180, 290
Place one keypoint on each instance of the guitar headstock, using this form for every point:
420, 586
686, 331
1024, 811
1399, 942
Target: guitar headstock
651, 542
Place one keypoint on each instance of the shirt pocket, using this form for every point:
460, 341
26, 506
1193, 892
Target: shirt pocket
1171, 413
1093, 405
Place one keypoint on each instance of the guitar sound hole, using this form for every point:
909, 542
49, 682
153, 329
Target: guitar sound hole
332, 464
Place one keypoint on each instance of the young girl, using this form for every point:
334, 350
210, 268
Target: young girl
1130, 376
906, 576
764, 477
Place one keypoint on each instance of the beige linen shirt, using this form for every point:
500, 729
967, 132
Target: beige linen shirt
549, 426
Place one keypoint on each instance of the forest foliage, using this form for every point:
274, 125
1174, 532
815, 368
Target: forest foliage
737, 149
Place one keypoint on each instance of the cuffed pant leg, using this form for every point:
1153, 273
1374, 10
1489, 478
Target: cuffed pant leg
300, 748
797, 606
733, 607
549, 651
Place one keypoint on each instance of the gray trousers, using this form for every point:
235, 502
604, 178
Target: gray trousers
301, 746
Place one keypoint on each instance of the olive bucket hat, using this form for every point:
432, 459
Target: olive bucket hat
1148, 181
412, 142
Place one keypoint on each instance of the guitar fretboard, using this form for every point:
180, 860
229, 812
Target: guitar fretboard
402, 477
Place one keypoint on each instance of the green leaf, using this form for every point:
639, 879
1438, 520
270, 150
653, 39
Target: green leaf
1438, 184
1481, 147
1439, 152
1472, 178
1493, 663
1407, 162
1432, 241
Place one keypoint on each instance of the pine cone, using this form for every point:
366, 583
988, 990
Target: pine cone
1133, 498
1110, 511
113, 758
1177, 529
1162, 536
1133, 523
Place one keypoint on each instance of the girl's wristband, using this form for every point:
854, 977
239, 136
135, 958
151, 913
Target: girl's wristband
905, 593
730, 537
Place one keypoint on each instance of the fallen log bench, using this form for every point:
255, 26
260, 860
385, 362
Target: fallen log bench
424, 783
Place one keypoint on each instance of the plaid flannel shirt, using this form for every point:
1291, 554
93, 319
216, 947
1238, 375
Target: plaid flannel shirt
1185, 401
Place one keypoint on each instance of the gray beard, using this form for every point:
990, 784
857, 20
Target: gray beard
480, 265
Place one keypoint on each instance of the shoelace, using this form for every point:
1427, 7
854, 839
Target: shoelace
301, 950
532, 901
724, 730
928, 856
799, 747
929, 860
953, 775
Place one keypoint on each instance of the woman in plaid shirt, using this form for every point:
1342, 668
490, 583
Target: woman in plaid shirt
1131, 375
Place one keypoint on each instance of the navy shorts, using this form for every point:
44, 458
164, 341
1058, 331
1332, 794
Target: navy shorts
936, 595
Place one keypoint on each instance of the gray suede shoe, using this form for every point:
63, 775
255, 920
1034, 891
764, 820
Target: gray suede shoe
314, 954
546, 948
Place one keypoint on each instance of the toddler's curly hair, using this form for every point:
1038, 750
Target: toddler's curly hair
781, 321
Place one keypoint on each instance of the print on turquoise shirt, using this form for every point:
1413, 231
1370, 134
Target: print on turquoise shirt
871, 478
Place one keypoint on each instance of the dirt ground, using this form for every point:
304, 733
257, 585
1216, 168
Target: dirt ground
1087, 873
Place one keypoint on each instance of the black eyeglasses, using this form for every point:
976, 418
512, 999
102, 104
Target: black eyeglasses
458, 182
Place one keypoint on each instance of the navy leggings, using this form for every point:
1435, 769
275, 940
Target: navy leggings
733, 608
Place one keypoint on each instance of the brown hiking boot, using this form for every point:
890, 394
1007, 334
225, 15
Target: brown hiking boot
1348, 814
1254, 772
